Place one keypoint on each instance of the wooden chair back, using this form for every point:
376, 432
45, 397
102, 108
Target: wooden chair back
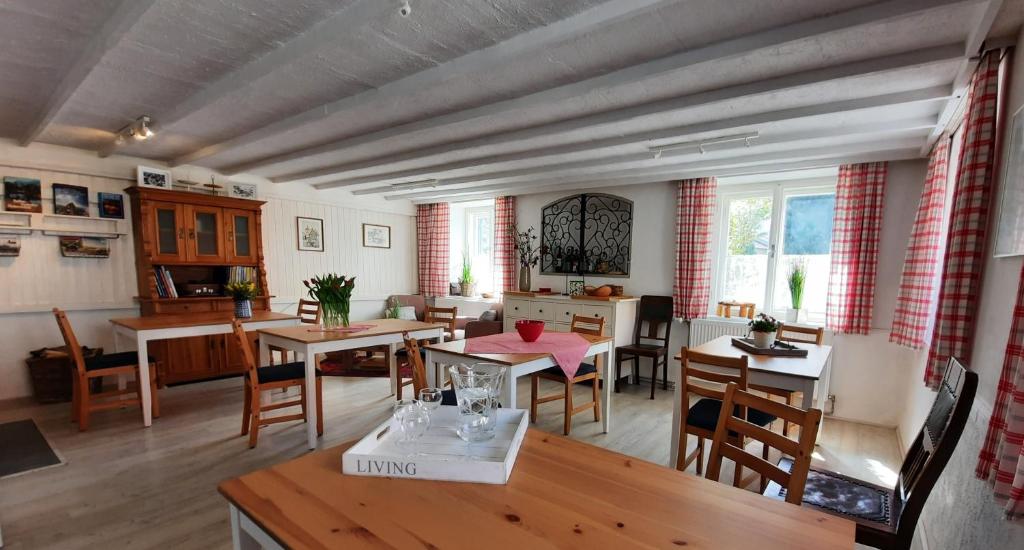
248, 361
651, 314
593, 326
442, 316
309, 312
727, 370
934, 445
419, 371
732, 448
70, 341
804, 335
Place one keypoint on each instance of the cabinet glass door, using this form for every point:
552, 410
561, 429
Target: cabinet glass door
205, 234
169, 232
241, 236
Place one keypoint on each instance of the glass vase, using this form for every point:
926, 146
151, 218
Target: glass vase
334, 314
524, 278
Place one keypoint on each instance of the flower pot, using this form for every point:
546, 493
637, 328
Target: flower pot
792, 315
468, 289
524, 279
243, 309
763, 339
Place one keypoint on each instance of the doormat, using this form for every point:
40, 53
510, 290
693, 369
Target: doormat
23, 448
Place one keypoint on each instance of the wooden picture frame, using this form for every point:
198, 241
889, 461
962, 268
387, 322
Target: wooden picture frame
153, 177
309, 234
376, 236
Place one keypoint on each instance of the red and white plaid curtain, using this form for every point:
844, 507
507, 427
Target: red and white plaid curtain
915, 302
860, 193
505, 244
965, 244
1001, 461
695, 208
432, 221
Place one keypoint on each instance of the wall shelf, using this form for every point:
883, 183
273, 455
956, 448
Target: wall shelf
59, 225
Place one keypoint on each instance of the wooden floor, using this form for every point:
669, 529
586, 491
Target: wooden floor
129, 487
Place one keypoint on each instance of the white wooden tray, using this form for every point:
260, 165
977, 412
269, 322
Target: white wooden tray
440, 454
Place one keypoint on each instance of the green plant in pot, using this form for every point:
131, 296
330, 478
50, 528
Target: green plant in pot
797, 280
763, 328
242, 293
334, 292
466, 280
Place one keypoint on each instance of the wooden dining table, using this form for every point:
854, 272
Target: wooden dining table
561, 494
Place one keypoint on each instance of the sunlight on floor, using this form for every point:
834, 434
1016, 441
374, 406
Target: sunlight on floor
885, 475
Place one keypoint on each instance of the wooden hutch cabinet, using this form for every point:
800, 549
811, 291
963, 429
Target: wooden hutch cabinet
197, 239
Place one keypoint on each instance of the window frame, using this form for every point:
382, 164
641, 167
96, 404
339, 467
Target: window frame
778, 192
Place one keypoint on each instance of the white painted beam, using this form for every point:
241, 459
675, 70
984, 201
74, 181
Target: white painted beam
535, 40
121, 20
637, 73
982, 26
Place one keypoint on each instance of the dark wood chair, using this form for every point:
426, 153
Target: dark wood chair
83, 401
724, 445
701, 418
309, 314
271, 378
652, 312
792, 333
886, 517
419, 371
587, 371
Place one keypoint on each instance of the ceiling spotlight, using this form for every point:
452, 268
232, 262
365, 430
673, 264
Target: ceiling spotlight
139, 130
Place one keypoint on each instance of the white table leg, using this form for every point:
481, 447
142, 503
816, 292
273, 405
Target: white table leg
508, 391
311, 399
677, 413
143, 381
122, 380
606, 394
393, 368
431, 369
240, 539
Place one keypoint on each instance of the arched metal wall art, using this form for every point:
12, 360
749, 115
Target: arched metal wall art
588, 234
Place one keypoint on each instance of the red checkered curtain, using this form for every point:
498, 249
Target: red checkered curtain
505, 244
965, 243
432, 244
695, 208
1001, 461
855, 235
915, 302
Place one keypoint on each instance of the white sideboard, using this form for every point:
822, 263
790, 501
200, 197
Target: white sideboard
557, 313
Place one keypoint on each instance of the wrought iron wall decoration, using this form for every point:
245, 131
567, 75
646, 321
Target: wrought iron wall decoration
587, 234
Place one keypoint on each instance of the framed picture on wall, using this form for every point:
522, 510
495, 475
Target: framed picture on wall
242, 190
310, 233
111, 205
70, 200
84, 247
153, 177
22, 195
376, 236
10, 245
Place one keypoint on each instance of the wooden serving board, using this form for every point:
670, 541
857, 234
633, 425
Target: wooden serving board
781, 349
603, 298
531, 294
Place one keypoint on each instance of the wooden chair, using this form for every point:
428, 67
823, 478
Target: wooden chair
653, 311
701, 419
887, 516
724, 445
309, 314
593, 326
84, 402
446, 316
792, 333
419, 371
270, 378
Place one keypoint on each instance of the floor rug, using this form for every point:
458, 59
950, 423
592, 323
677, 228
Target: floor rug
23, 448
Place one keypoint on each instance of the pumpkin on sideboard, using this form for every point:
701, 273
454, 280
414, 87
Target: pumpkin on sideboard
599, 292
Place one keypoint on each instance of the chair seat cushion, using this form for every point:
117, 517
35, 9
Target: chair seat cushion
841, 495
112, 360
401, 354
281, 373
585, 368
448, 398
704, 414
642, 349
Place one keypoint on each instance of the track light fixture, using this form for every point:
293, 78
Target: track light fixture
424, 184
746, 138
138, 130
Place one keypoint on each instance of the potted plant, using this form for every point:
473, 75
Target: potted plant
466, 282
242, 293
764, 327
529, 255
334, 292
796, 279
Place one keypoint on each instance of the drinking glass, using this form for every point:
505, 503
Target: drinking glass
477, 388
431, 398
413, 421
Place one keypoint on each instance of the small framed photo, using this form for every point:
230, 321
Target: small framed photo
84, 247
153, 177
376, 236
242, 190
575, 288
22, 195
311, 233
111, 205
10, 245
70, 200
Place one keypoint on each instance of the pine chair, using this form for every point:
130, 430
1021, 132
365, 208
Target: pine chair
792, 333
587, 371
654, 311
701, 419
270, 378
887, 516
419, 371
309, 314
83, 402
725, 445
446, 316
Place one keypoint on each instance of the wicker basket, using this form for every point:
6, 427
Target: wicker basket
51, 372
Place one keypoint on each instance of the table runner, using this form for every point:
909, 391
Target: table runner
567, 348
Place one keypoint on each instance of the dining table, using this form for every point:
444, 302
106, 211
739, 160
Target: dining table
308, 341
562, 493
809, 375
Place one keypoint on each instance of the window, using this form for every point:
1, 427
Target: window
762, 232
472, 238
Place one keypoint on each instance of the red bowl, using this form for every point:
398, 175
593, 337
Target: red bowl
529, 330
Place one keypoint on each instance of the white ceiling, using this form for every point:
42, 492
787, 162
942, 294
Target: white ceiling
491, 96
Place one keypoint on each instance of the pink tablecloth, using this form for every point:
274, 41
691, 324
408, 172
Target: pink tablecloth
567, 348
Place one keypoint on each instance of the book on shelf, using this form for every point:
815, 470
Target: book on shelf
164, 283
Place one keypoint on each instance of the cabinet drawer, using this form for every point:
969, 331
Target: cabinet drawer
557, 327
596, 311
518, 309
542, 311
188, 307
565, 312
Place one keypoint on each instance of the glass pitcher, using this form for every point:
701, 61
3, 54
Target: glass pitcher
477, 389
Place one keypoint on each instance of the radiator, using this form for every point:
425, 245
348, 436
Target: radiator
705, 330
